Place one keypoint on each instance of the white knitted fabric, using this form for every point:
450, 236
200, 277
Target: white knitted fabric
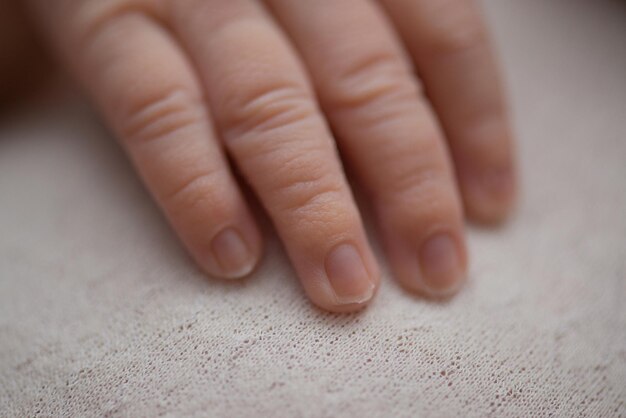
103, 314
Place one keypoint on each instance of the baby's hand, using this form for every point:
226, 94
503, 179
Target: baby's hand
284, 87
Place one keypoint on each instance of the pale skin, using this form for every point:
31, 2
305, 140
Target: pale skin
402, 94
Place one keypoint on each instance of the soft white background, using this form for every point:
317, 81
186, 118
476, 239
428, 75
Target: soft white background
102, 313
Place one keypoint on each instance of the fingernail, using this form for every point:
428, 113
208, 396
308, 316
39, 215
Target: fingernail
232, 254
492, 192
441, 263
497, 182
348, 276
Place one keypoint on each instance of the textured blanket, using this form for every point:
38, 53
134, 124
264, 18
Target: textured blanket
103, 314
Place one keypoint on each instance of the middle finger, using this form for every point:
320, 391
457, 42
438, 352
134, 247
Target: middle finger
270, 123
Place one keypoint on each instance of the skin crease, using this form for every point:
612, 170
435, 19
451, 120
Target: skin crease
183, 85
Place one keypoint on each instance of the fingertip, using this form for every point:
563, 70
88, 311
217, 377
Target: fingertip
233, 256
442, 265
329, 302
347, 282
228, 250
490, 197
427, 252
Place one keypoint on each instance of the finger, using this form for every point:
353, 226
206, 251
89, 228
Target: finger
270, 124
449, 44
139, 78
386, 132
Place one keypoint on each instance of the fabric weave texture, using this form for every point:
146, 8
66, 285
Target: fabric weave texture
103, 314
